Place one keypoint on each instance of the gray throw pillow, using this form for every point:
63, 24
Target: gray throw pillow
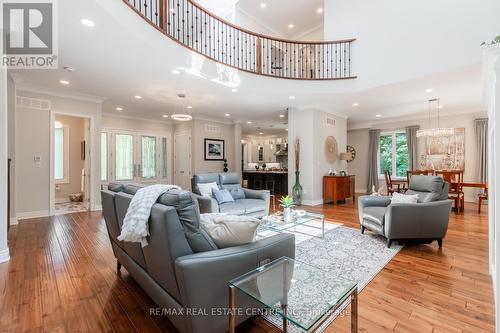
236, 191
222, 196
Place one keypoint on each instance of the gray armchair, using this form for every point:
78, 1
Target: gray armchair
255, 203
423, 222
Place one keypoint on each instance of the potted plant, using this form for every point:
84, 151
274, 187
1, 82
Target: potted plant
287, 203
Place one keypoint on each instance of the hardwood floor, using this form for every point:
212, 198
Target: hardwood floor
62, 278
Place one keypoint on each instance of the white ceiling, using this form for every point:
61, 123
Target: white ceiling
277, 15
122, 56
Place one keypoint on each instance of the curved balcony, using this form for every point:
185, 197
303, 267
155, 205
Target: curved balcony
199, 30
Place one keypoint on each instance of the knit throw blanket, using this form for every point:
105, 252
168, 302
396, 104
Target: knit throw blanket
135, 226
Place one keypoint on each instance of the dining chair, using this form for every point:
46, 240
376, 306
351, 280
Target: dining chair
391, 185
482, 196
455, 179
410, 173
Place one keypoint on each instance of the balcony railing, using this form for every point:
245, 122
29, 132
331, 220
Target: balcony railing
196, 28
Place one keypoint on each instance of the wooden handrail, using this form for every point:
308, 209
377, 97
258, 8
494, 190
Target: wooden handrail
194, 27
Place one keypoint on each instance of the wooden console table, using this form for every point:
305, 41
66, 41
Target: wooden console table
338, 188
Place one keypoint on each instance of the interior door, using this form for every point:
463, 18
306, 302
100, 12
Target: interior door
182, 160
125, 167
147, 165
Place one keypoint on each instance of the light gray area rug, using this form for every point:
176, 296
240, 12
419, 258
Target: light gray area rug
346, 254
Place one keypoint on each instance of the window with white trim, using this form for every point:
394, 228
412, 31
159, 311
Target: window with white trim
393, 154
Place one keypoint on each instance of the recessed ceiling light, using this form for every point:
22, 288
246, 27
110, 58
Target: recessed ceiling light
138, 97
319, 10
261, 133
286, 129
175, 71
165, 116
189, 107
428, 90
64, 82
87, 22
282, 116
69, 69
441, 106
263, 5
234, 90
119, 108
249, 122
378, 115
181, 117
291, 97
290, 26
355, 104
228, 115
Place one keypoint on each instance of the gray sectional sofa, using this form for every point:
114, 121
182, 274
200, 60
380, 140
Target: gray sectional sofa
423, 222
180, 268
255, 203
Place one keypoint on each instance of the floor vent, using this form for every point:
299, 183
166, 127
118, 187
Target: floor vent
33, 103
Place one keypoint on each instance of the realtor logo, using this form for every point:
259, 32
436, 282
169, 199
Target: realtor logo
29, 34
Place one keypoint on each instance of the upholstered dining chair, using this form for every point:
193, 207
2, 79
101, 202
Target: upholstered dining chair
410, 173
455, 179
391, 185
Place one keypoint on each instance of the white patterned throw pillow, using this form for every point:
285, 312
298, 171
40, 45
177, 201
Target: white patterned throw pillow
404, 198
206, 189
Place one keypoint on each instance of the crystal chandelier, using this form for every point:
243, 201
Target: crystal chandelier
437, 132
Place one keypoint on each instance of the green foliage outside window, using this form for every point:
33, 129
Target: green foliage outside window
400, 156
386, 153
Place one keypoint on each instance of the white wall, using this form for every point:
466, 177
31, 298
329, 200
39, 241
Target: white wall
33, 183
132, 124
4, 249
310, 126
359, 140
401, 40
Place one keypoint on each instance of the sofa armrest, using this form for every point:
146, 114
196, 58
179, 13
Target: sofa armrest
207, 205
203, 277
371, 201
259, 194
421, 220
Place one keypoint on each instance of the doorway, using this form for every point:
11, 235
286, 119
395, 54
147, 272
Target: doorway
182, 160
70, 164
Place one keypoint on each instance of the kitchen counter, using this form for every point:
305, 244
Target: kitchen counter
274, 181
266, 171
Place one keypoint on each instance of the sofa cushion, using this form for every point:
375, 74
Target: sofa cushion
230, 230
425, 196
206, 189
222, 196
374, 214
189, 215
203, 179
229, 178
115, 187
236, 191
404, 198
234, 208
252, 205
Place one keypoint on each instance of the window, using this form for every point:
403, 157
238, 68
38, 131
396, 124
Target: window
104, 156
124, 153
61, 153
393, 154
148, 166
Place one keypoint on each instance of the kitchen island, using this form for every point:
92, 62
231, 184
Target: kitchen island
274, 180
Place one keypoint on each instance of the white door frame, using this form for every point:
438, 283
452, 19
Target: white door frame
52, 183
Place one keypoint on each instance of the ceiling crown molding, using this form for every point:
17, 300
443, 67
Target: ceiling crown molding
80, 97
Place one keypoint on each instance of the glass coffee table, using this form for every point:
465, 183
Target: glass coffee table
277, 223
298, 292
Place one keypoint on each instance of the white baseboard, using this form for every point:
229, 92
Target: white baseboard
13, 220
4, 255
32, 215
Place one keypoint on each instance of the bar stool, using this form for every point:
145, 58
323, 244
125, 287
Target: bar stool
270, 185
257, 184
245, 183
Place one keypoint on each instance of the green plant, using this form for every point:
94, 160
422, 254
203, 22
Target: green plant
495, 40
286, 202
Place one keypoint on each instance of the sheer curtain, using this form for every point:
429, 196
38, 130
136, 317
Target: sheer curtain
481, 126
411, 139
373, 160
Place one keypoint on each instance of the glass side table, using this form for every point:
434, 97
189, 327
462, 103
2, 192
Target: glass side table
300, 293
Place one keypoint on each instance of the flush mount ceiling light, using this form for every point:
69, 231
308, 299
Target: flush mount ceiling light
181, 117
87, 22
175, 71
319, 10
138, 97
58, 124
64, 82
290, 26
263, 5
436, 132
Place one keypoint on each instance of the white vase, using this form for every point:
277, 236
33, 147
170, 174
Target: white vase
287, 214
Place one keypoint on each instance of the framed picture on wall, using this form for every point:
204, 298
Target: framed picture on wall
214, 150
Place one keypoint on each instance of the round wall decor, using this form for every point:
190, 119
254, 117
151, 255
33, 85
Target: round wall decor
350, 149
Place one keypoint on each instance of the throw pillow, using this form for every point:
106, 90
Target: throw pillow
403, 198
236, 192
229, 230
222, 196
206, 189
